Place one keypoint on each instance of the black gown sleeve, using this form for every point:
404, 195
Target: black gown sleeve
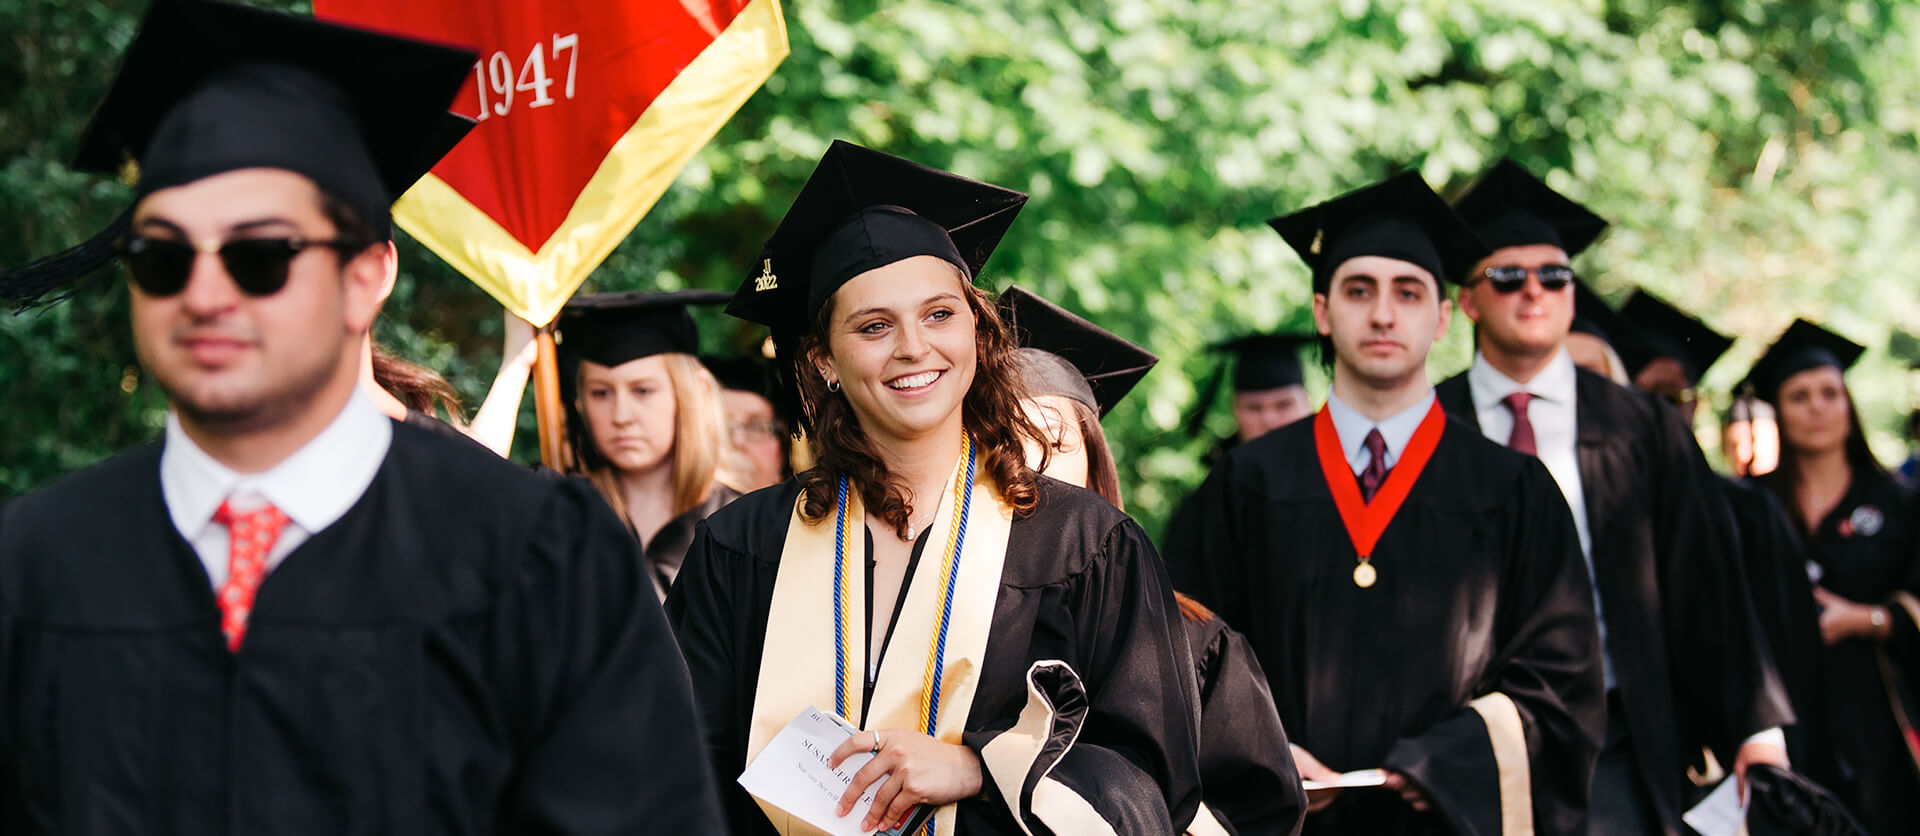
1776, 570
1520, 756
1246, 767
600, 710
1106, 743
1727, 687
1203, 546
709, 610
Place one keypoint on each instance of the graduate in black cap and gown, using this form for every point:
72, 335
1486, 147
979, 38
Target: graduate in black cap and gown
1686, 668
644, 421
758, 433
1006, 643
1269, 392
1667, 350
295, 614
1592, 339
1413, 591
1672, 353
1073, 368
1858, 527
1269, 388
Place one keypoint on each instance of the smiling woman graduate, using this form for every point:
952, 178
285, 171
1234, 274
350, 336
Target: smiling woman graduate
1008, 644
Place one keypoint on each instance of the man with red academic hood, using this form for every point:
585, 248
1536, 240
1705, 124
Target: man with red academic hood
1413, 591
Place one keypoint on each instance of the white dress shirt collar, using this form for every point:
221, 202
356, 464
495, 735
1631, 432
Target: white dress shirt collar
314, 487
1397, 430
1555, 383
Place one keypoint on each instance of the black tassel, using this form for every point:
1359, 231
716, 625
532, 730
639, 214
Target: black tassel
58, 277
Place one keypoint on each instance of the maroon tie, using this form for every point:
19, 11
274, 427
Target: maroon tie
1376, 471
1522, 438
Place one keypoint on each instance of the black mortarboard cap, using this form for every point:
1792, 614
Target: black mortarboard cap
210, 87
860, 210
1592, 315
741, 373
615, 328
1399, 218
1667, 331
1803, 346
1259, 361
1064, 354
1509, 207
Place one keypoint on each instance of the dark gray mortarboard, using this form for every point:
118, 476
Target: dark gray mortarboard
1592, 315
861, 210
1260, 362
1064, 354
615, 328
1803, 346
1398, 218
1667, 331
1509, 207
209, 87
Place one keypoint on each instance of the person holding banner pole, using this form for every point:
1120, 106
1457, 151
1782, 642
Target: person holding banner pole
643, 418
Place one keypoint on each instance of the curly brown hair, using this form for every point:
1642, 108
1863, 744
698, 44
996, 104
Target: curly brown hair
990, 411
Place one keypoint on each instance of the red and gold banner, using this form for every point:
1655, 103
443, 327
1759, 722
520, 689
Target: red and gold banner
587, 113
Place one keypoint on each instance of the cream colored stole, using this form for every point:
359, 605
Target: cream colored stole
797, 663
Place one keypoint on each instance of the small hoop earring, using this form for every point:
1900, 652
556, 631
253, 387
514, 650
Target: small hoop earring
833, 385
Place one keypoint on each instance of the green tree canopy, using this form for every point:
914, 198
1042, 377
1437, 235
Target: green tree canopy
1756, 159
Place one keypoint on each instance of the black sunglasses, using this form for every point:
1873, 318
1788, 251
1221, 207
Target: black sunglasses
1510, 279
161, 266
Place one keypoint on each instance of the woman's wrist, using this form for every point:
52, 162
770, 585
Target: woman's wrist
1880, 622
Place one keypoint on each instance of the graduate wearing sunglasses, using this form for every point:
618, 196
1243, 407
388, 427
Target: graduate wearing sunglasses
1684, 666
294, 614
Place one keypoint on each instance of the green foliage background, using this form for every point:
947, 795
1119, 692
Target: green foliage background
1758, 159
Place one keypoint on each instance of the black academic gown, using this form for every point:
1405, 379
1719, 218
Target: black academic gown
1776, 570
1690, 669
1481, 591
1081, 584
668, 548
1865, 552
1247, 772
471, 649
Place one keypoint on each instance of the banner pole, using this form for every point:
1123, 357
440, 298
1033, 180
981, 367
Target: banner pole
546, 397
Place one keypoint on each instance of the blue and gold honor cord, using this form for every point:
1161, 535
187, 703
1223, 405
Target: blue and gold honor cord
949, 571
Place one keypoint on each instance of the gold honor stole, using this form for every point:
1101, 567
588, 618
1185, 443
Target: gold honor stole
797, 664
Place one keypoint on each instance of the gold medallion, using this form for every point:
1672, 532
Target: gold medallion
1364, 575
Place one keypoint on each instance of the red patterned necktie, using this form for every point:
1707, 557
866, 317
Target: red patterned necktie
1376, 471
1522, 438
250, 538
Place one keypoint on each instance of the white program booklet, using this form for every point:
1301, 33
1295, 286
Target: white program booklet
1720, 813
792, 774
1350, 780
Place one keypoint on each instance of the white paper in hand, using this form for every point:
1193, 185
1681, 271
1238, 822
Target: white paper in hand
792, 774
1356, 779
1719, 814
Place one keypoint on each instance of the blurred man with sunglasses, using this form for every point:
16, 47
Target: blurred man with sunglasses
295, 614
1685, 668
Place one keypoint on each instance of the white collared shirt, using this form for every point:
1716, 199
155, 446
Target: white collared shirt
1555, 434
1397, 430
314, 487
